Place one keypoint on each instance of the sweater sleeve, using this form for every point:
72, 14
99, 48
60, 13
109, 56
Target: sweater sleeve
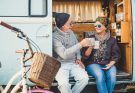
62, 51
115, 55
78, 54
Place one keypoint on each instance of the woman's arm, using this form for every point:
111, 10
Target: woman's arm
115, 52
115, 55
88, 51
109, 65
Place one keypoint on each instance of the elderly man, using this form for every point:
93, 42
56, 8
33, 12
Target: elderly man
67, 51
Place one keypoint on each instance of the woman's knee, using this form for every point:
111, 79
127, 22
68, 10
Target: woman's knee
111, 73
100, 79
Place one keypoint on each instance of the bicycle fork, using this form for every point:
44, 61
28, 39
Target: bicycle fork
24, 78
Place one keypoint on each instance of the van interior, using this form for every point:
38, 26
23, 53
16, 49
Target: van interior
84, 13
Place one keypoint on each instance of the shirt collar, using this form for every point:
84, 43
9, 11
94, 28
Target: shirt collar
61, 32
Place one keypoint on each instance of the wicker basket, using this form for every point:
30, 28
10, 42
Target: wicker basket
43, 70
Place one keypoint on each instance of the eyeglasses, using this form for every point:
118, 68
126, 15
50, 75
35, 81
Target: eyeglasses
98, 25
70, 23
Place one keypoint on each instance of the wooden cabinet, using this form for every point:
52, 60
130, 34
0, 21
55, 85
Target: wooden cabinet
122, 20
124, 33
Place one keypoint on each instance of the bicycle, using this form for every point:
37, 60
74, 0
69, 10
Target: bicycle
23, 59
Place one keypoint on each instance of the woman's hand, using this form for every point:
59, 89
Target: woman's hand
79, 62
108, 66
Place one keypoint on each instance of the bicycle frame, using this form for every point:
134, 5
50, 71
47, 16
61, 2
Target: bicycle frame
23, 59
21, 72
21, 83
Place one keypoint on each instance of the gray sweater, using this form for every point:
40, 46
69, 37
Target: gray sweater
65, 45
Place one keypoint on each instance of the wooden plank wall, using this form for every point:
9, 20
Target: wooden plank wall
79, 28
126, 48
129, 46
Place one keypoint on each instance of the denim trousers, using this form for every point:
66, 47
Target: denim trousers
71, 70
105, 79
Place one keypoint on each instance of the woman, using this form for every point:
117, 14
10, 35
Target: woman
100, 60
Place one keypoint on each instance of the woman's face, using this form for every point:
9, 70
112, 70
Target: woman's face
99, 27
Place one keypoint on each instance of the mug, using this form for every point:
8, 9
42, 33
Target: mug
92, 41
96, 46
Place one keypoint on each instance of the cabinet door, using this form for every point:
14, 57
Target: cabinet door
125, 32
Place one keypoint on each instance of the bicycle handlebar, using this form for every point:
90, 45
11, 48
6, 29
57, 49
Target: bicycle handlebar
21, 37
6, 25
16, 30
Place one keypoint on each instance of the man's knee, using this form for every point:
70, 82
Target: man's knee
64, 83
84, 80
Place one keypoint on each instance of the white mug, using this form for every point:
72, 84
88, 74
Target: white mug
96, 46
92, 41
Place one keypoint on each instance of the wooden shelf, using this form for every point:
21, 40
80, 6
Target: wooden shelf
120, 4
122, 7
79, 28
123, 35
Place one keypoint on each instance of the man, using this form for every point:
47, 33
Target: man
67, 51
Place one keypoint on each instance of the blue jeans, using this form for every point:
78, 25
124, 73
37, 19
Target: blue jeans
105, 79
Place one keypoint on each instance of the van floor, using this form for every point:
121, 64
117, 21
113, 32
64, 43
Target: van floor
121, 75
91, 87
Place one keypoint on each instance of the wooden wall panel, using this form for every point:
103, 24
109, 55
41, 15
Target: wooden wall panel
79, 28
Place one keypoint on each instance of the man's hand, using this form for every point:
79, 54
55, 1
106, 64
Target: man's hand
85, 42
80, 63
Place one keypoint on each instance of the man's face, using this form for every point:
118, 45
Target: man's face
67, 25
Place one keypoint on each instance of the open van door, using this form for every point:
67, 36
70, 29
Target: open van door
133, 34
122, 16
34, 18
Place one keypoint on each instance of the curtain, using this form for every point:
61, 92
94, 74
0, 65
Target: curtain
81, 11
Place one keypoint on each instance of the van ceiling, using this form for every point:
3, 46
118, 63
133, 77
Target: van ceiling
76, 0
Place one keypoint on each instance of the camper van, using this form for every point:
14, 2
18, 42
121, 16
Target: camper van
34, 18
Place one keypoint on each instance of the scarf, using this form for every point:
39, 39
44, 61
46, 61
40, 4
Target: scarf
99, 54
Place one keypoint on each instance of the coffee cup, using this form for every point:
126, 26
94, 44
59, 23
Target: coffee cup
92, 41
96, 45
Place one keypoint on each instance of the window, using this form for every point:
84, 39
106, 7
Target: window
23, 8
81, 10
37, 7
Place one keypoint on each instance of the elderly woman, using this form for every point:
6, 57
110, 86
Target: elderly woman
100, 57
